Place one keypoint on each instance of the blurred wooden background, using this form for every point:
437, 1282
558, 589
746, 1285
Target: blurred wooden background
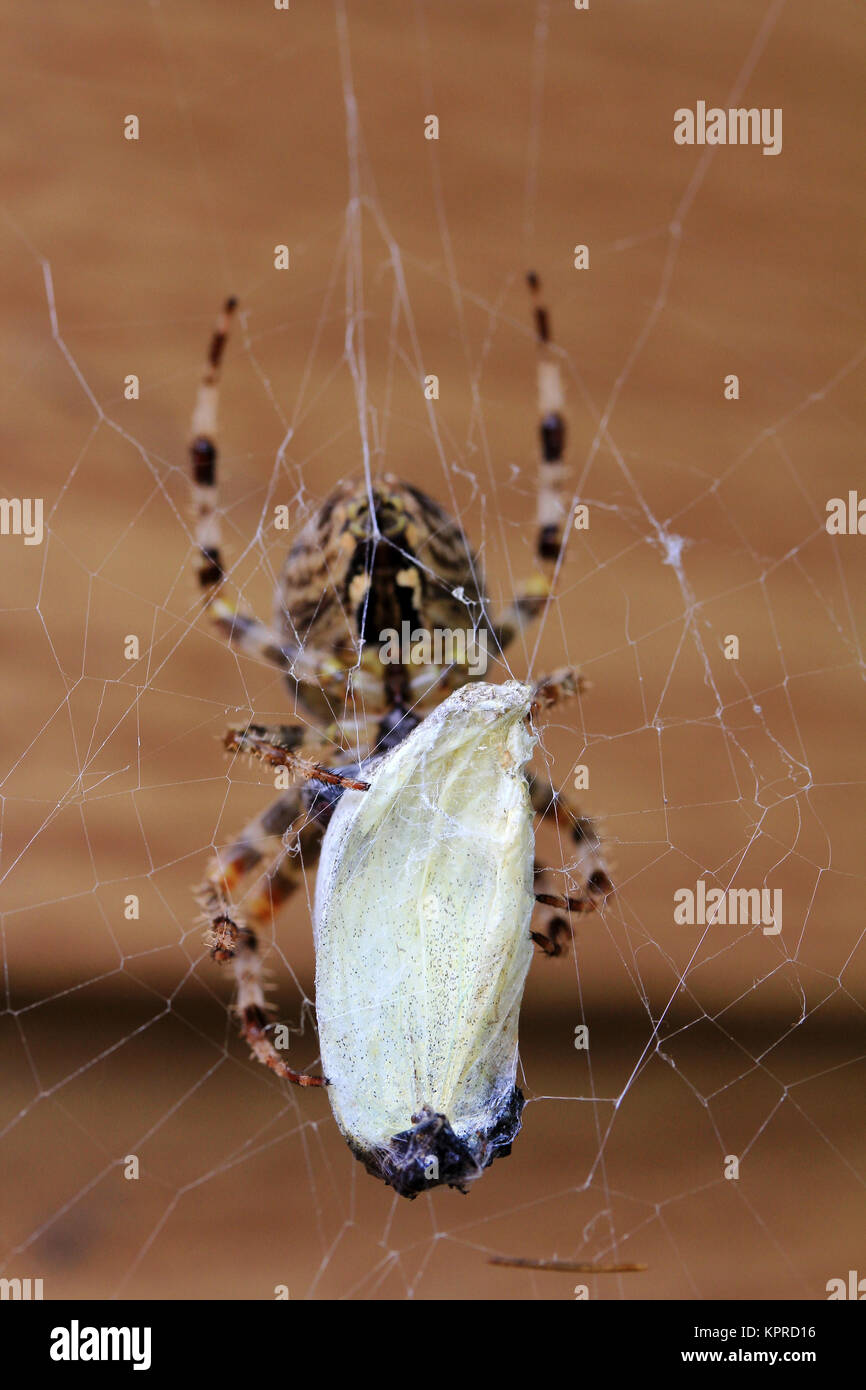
555, 129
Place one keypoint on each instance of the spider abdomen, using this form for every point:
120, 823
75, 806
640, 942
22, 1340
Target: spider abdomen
423, 905
368, 564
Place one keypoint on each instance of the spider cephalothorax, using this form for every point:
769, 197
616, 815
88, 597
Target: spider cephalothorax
376, 580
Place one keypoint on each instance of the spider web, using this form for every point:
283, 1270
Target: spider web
707, 520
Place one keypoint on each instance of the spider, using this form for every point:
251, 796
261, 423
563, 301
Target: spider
372, 557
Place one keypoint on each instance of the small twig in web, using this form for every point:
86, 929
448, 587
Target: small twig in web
564, 1266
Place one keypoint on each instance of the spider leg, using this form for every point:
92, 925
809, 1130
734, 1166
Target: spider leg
562, 685
559, 807
230, 936
241, 630
230, 869
551, 510
590, 868
285, 874
279, 883
556, 927
280, 745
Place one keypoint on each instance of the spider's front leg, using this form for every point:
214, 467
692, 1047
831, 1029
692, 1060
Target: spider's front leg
551, 509
241, 630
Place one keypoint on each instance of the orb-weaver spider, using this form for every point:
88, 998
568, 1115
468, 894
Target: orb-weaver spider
370, 558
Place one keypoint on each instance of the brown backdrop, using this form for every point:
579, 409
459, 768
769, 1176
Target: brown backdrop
556, 128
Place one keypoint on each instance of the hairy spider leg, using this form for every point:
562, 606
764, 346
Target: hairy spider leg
278, 746
551, 511
550, 804
242, 630
231, 937
589, 868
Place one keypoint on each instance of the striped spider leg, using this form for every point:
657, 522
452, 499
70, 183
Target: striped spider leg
560, 809
283, 838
